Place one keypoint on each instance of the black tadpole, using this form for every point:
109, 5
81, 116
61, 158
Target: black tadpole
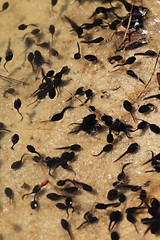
65, 225
115, 58
96, 40
142, 125
128, 107
104, 206
38, 59
91, 58
69, 189
54, 196
74, 147
115, 236
110, 138
24, 26
108, 120
9, 55
131, 149
9, 91
53, 3
122, 174
54, 52
18, 164
132, 74
147, 53
30, 59
146, 108
106, 148
154, 128
32, 150
35, 190
129, 61
52, 93
52, 31
115, 217
60, 115
88, 125
112, 194
17, 105
34, 204
14, 140
61, 206
9, 193
5, 6
77, 55
35, 31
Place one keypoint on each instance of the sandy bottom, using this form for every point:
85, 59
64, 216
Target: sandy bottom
17, 220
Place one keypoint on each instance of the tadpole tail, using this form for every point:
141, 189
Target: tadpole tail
134, 130
32, 103
67, 213
38, 154
133, 117
147, 230
26, 195
125, 165
62, 148
34, 93
141, 80
111, 228
118, 65
150, 160
20, 115
71, 169
121, 156
76, 131
81, 225
157, 157
136, 228
69, 99
5, 130
98, 154
139, 54
12, 147
149, 171
23, 156
63, 111
5, 66
69, 233
49, 172
153, 96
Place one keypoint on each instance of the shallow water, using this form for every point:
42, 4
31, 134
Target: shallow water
110, 88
